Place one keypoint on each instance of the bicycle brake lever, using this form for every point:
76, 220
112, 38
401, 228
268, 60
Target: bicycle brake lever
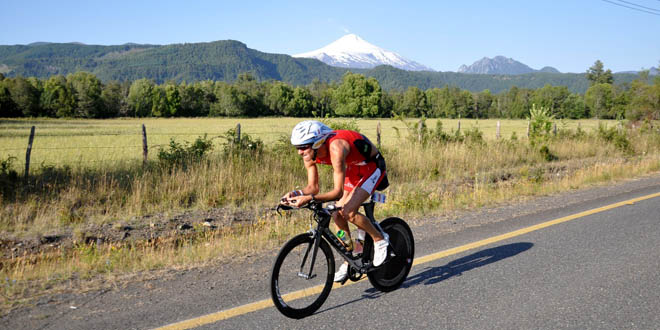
283, 208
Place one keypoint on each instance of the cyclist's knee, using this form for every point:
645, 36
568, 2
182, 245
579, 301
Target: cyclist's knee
350, 215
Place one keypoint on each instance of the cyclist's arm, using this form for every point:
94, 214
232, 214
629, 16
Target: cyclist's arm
312, 187
339, 149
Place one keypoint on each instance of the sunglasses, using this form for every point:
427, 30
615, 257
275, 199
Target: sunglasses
304, 147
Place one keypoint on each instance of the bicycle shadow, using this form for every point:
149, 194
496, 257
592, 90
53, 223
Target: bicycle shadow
433, 275
457, 267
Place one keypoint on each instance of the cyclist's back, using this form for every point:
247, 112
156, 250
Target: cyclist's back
361, 148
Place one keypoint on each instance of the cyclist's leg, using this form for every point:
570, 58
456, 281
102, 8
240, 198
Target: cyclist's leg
350, 213
340, 221
361, 181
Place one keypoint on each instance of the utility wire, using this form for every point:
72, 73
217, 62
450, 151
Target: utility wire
640, 6
633, 8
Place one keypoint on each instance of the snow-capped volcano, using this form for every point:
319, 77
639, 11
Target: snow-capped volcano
351, 51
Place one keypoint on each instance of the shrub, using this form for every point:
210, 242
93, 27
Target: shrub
245, 143
474, 136
615, 136
540, 124
350, 125
8, 178
547, 154
186, 153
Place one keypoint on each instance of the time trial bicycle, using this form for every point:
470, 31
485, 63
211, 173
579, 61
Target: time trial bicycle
301, 279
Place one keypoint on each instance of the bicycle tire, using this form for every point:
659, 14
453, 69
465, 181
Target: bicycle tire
394, 272
303, 298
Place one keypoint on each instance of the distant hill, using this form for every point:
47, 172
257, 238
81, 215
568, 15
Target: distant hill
220, 60
549, 69
225, 60
652, 72
501, 65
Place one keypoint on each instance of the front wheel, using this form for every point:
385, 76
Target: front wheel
295, 292
391, 275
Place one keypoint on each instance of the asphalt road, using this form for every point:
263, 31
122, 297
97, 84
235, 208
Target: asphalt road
599, 271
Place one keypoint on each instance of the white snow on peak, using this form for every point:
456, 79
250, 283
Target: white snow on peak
351, 51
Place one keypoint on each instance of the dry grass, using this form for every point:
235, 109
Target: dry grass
438, 178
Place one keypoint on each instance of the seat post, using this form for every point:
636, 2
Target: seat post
369, 210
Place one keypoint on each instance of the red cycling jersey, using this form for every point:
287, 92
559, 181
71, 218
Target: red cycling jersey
354, 156
361, 170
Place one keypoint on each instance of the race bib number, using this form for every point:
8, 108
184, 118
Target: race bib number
378, 197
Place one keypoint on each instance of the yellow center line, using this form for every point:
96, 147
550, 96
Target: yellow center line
262, 304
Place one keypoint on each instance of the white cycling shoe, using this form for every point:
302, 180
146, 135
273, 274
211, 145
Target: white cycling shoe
342, 273
380, 250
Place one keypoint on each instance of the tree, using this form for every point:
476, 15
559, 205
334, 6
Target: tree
598, 99
25, 96
7, 106
301, 103
644, 101
87, 92
573, 107
596, 75
278, 97
173, 99
140, 97
465, 104
516, 102
57, 99
551, 98
112, 98
442, 102
322, 97
484, 104
159, 106
192, 100
414, 103
357, 96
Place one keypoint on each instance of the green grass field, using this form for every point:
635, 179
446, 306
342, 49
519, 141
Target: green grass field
98, 143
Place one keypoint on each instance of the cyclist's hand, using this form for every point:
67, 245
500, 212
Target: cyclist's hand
286, 198
300, 201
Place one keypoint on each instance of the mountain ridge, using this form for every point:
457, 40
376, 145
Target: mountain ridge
501, 65
224, 60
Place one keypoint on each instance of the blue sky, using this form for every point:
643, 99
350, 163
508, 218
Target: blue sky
568, 35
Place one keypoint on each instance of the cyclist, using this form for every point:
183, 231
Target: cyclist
358, 170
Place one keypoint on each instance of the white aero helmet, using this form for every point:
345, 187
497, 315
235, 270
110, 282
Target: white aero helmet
310, 132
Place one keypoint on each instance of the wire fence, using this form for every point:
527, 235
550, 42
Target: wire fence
79, 154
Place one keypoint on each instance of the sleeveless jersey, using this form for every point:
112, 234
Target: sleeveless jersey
360, 146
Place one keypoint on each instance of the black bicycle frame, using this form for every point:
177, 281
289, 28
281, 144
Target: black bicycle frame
323, 230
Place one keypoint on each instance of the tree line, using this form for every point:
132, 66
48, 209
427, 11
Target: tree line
83, 95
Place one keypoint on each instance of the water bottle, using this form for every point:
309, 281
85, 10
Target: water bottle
358, 235
347, 241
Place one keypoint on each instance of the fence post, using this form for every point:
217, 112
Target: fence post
459, 126
497, 135
27, 155
238, 134
145, 148
378, 134
419, 131
554, 129
528, 123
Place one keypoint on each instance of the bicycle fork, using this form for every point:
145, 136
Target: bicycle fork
309, 275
